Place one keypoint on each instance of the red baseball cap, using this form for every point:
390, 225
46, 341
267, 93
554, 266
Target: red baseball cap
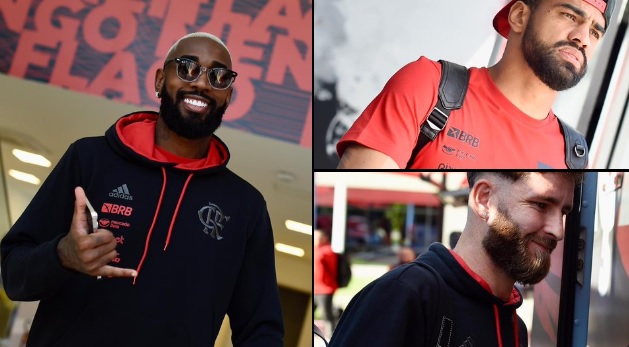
501, 24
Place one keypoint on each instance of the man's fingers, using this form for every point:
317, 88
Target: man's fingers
102, 241
112, 271
90, 247
79, 219
103, 236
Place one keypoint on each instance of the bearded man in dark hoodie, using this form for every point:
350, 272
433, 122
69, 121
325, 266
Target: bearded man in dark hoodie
466, 296
182, 240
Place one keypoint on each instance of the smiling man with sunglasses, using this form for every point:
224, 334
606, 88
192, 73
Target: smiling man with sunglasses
182, 241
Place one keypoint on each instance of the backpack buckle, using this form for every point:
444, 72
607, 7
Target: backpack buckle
579, 150
437, 120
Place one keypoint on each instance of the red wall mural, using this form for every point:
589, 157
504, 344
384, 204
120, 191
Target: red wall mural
112, 48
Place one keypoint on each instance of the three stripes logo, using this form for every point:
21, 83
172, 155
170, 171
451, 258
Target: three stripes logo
121, 192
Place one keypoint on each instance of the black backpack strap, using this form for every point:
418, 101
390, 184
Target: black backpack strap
441, 328
452, 89
576, 147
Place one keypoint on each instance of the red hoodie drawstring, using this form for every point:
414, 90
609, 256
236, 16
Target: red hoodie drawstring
515, 296
148, 236
172, 222
498, 325
515, 327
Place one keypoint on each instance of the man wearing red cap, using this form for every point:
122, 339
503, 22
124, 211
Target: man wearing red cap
506, 119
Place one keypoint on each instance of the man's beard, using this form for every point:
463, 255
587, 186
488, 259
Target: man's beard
508, 248
553, 71
193, 127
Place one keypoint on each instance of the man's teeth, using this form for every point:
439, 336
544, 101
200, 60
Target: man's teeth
195, 102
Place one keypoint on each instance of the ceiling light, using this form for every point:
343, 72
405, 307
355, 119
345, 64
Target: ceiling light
299, 227
23, 176
31, 158
298, 252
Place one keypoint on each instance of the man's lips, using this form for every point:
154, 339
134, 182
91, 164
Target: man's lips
194, 103
547, 246
572, 55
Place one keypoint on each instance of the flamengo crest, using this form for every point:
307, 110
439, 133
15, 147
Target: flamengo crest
213, 220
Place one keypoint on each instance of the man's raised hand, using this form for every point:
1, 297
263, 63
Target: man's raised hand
89, 253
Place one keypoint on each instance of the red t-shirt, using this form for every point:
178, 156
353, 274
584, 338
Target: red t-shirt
487, 132
325, 263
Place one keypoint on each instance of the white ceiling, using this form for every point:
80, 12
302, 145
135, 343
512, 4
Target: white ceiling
46, 119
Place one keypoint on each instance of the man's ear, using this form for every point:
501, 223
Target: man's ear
229, 96
479, 197
519, 16
159, 80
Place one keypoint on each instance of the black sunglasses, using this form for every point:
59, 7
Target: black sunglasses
189, 71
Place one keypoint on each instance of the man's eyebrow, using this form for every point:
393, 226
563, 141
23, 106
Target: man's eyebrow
599, 28
218, 64
579, 12
191, 57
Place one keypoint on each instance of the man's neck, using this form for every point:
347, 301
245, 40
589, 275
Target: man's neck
518, 83
481, 263
180, 146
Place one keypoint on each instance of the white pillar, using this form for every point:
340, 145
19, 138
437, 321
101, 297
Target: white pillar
339, 215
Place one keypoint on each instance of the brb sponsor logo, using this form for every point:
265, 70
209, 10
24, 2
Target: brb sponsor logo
463, 136
116, 209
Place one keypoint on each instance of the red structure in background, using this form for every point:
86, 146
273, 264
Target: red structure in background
112, 49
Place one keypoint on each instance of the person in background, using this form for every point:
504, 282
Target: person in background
405, 255
182, 240
466, 296
325, 265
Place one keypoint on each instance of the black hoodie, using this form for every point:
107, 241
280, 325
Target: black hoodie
198, 235
444, 304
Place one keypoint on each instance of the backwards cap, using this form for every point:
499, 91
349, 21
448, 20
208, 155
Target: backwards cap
501, 24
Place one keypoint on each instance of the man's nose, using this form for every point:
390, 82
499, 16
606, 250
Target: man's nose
555, 225
581, 35
202, 83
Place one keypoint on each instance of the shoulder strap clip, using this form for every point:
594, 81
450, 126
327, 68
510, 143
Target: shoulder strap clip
576, 147
452, 89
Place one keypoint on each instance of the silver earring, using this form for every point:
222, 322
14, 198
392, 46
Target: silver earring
157, 94
485, 215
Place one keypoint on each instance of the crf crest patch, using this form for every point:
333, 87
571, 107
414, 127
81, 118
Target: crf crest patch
213, 220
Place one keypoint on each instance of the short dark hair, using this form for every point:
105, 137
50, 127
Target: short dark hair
473, 176
532, 4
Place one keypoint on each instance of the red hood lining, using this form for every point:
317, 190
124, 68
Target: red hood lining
137, 132
515, 295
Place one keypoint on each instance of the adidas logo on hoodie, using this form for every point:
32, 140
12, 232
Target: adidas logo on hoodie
121, 192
